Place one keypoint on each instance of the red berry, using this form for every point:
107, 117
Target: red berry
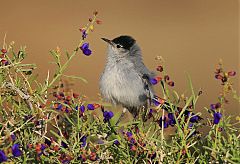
82, 29
38, 147
220, 129
98, 21
56, 148
231, 73
95, 13
2, 55
161, 101
133, 148
217, 105
42, 106
5, 62
29, 146
75, 95
93, 156
217, 76
158, 78
68, 98
160, 68
83, 157
183, 151
96, 106
4, 51
166, 77
171, 83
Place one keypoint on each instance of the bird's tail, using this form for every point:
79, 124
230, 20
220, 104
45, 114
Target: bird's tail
169, 107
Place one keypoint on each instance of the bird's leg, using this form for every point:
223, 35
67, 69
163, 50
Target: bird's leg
121, 116
144, 116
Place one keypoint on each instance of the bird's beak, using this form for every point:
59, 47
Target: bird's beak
108, 41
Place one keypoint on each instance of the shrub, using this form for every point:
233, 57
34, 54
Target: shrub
45, 123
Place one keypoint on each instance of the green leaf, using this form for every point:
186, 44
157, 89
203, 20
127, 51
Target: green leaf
69, 119
115, 118
76, 77
68, 55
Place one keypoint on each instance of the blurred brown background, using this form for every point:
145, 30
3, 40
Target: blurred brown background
191, 35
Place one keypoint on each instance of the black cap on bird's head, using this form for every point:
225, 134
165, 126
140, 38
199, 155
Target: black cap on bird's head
123, 41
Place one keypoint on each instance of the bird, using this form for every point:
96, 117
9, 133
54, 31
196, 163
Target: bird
125, 78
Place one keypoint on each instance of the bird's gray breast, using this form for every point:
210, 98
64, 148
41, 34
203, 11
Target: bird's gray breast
121, 83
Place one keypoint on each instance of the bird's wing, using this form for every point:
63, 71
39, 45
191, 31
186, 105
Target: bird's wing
145, 75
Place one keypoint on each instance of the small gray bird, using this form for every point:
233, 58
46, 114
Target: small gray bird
125, 79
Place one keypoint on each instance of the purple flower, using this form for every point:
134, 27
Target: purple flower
59, 106
84, 34
87, 52
16, 151
190, 125
154, 155
132, 140
129, 134
217, 116
150, 114
64, 144
13, 137
43, 146
85, 49
84, 46
3, 157
66, 161
107, 115
165, 123
66, 102
213, 106
194, 118
156, 103
187, 113
171, 120
48, 142
90, 107
61, 94
84, 141
100, 141
171, 116
153, 81
116, 142
151, 111
82, 108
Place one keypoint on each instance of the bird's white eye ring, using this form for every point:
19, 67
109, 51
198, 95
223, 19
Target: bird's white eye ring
119, 46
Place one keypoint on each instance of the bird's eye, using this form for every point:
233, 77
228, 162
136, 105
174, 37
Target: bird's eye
119, 46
